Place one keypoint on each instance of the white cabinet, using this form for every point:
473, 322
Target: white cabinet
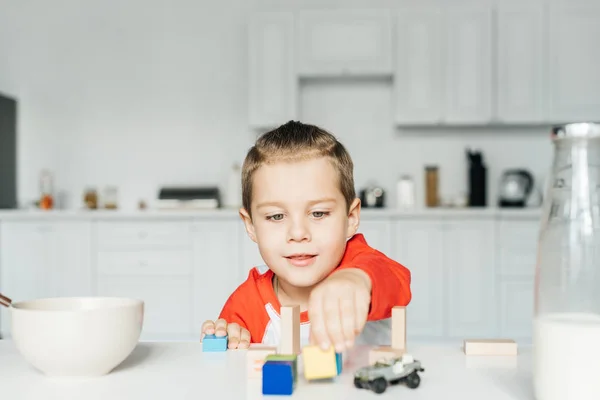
44, 259
516, 245
271, 70
216, 268
151, 261
469, 267
418, 246
443, 70
574, 81
343, 42
521, 70
378, 234
468, 80
419, 74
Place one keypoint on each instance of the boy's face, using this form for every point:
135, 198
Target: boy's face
300, 220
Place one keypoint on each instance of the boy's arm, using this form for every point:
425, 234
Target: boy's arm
389, 282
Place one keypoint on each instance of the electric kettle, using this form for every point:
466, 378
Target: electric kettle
516, 185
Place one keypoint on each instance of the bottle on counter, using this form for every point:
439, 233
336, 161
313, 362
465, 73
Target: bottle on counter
46, 190
431, 186
566, 326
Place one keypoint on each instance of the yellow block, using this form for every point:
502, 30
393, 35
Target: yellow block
319, 364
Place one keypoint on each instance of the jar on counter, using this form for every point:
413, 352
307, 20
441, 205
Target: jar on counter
111, 197
90, 199
431, 186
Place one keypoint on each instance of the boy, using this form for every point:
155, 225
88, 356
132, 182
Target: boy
299, 206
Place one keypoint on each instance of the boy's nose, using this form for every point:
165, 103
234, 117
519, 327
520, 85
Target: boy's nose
298, 232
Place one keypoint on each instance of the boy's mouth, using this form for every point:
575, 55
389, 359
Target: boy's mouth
301, 260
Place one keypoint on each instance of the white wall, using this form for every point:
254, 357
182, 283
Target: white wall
141, 94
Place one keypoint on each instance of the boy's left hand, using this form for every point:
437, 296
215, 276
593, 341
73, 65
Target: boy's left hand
338, 308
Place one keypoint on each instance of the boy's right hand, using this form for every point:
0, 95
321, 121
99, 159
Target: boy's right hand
237, 337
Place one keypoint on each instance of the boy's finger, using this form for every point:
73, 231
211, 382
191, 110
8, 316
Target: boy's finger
333, 321
348, 317
244, 339
208, 328
318, 332
220, 327
233, 335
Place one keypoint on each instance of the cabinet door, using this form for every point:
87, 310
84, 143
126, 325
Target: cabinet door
418, 75
574, 81
378, 234
70, 254
516, 308
216, 268
167, 303
469, 262
418, 246
520, 85
334, 43
468, 63
25, 264
272, 75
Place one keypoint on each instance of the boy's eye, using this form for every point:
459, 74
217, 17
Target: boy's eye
319, 214
276, 217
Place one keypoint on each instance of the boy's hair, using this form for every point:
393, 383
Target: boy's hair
295, 141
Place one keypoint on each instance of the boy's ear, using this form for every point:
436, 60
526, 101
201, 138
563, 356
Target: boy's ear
248, 224
353, 218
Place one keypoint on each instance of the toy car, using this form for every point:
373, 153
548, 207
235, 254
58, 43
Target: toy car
390, 371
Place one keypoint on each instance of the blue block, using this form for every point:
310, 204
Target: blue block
214, 343
338, 362
278, 378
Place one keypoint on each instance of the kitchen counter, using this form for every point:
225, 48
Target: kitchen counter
180, 370
385, 213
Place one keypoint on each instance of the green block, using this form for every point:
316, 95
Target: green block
293, 358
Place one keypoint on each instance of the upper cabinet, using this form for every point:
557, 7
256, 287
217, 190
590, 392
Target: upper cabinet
419, 73
337, 43
520, 64
503, 64
272, 70
573, 63
468, 65
443, 66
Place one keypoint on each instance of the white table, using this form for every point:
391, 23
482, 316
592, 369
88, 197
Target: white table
175, 370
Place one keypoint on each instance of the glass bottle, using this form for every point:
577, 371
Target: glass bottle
566, 326
46, 190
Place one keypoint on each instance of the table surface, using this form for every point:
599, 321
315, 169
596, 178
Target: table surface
180, 370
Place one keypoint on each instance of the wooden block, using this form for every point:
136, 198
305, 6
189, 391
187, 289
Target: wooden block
255, 358
290, 330
319, 364
490, 347
382, 353
399, 328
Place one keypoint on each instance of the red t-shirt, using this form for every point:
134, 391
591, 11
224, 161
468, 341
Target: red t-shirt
249, 303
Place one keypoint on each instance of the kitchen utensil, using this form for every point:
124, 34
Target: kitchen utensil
5, 301
406, 192
75, 336
566, 325
516, 186
372, 197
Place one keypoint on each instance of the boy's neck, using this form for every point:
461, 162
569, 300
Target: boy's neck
291, 295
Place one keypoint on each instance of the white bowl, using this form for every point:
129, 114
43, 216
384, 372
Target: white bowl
78, 336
